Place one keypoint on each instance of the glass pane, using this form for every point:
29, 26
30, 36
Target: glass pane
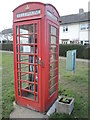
35, 28
31, 39
24, 58
36, 88
52, 90
36, 97
25, 85
53, 57
36, 78
31, 77
35, 59
31, 59
18, 76
31, 68
53, 65
52, 74
35, 69
24, 68
18, 88
16, 30
21, 48
27, 94
26, 39
36, 38
53, 30
17, 40
31, 87
26, 29
35, 49
53, 40
27, 49
52, 82
17, 48
17, 58
31, 49
24, 76
53, 48
18, 66
27, 70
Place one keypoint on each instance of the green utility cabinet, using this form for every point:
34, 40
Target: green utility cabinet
71, 60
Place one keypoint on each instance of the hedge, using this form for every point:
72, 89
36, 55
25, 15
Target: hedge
6, 46
82, 51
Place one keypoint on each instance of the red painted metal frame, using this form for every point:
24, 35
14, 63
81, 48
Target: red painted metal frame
43, 21
53, 97
19, 98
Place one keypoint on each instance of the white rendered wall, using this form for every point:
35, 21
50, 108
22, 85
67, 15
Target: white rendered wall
73, 33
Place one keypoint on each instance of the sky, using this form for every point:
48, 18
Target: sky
64, 7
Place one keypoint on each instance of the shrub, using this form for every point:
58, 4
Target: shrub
81, 50
6, 46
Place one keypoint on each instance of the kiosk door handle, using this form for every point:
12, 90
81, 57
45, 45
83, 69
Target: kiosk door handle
39, 62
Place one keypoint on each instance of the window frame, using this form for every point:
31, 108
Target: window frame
65, 29
84, 26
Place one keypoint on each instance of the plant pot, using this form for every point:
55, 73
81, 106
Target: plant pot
64, 107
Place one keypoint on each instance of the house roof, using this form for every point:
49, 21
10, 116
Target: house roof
6, 31
75, 18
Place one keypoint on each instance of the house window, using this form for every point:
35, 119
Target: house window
86, 42
64, 42
88, 26
65, 28
82, 42
85, 26
3, 41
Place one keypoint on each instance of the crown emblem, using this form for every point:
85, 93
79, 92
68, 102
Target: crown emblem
27, 7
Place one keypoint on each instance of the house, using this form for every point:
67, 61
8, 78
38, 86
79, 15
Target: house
6, 36
74, 28
2, 39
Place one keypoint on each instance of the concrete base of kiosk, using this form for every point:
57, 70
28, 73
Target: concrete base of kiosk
23, 112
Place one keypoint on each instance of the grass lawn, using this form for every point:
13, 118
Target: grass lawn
77, 88
7, 84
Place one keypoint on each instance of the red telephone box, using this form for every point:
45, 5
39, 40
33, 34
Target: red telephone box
36, 55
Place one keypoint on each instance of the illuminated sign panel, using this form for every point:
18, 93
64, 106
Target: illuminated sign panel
30, 13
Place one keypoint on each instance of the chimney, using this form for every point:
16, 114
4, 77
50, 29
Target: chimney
81, 11
89, 6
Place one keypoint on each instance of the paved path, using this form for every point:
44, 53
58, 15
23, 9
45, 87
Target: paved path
22, 112
78, 59
6, 51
